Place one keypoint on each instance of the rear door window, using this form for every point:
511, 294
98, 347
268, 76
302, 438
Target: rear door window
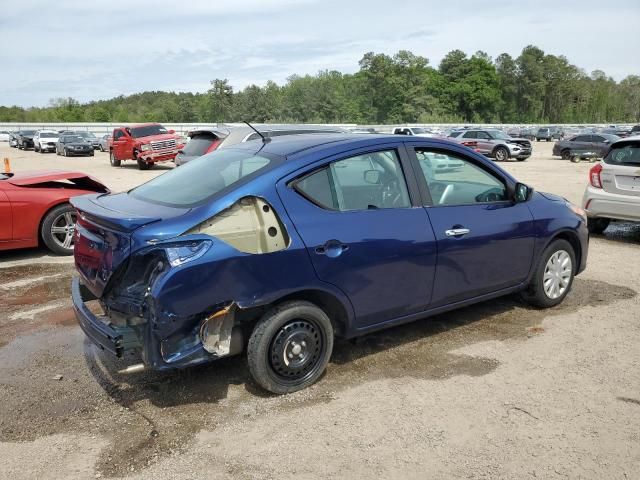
363, 182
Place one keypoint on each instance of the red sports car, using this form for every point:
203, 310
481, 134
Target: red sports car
35, 206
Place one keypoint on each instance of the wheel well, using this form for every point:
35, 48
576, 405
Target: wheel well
575, 244
499, 146
333, 307
39, 232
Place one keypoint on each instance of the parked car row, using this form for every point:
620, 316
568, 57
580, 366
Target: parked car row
44, 141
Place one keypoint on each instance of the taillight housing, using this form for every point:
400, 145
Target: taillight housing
594, 176
215, 144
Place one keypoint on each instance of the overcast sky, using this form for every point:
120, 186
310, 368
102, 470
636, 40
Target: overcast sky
94, 49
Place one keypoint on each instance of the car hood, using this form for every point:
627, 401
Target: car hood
35, 178
160, 137
553, 197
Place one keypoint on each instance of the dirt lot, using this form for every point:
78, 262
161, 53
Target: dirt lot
496, 390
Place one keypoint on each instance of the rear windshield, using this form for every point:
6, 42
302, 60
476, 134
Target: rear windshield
198, 145
48, 135
625, 154
147, 131
201, 178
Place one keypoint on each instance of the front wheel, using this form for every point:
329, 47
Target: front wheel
597, 225
142, 165
57, 229
566, 154
113, 160
553, 277
290, 347
501, 154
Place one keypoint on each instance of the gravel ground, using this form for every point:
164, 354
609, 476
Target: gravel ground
497, 390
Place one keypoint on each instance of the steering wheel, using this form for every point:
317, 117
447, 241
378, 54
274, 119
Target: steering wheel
446, 193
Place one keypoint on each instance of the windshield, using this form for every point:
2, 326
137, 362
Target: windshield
418, 130
201, 178
27, 132
611, 138
147, 131
499, 134
198, 145
624, 154
72, 138
48, 135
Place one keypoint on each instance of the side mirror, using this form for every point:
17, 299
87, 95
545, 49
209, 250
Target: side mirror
372, 177
522, 192
181, 151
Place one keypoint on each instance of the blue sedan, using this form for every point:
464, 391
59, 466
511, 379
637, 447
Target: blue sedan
275, 247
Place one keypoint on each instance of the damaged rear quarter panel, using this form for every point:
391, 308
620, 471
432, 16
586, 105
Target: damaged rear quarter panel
183, 295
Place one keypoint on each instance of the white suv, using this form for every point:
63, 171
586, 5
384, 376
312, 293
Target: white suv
45, 141
417, 131
613, 192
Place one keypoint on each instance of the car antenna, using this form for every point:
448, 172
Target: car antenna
264, 139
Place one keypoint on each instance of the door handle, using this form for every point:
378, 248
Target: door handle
332, 249
457, 232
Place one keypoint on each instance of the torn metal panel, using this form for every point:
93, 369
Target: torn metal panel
250, 225
216, 331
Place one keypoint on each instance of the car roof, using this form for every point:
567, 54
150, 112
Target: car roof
291, 145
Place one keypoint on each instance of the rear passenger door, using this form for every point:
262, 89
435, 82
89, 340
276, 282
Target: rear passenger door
485, 240
365, 231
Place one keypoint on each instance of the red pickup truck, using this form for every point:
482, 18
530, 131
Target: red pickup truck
146, 143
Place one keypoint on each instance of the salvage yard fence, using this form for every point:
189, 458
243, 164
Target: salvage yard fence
182, 128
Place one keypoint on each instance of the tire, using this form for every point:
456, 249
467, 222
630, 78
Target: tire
597, 225
537, 139
55, 231
565, 154
113, 160
35, 149
101, 148
64, 152
521, 159
91, 153
575, 158
295, 328
501, 154
142, 165
536, 294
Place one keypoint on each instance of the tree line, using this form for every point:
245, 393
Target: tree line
532, 88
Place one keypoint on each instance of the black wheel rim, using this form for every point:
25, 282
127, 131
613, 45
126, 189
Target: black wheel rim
296, 352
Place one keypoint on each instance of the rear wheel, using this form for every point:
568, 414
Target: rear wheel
501, 154
553, 277
597, 225
57, 229
290, 347
113, 160
566, 154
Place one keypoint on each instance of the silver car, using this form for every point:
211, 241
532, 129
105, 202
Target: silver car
613, 192
205, 140
496, 144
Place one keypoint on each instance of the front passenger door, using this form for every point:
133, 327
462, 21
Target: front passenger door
485, 240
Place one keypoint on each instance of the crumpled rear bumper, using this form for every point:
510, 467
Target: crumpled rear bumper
112, 338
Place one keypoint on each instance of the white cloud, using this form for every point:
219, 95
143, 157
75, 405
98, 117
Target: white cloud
99, 49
